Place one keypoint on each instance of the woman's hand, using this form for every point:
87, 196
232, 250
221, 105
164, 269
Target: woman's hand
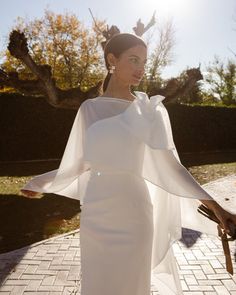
29, 194
227, 219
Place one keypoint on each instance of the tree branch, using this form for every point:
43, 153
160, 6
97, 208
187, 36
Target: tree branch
174, 89
45, 84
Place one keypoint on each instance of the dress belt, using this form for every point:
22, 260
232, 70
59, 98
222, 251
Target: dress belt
99, 169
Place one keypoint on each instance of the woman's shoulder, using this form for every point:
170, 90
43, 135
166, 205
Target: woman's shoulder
91, 100
87, 101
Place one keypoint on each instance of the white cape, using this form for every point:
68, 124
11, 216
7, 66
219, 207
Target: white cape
143, 145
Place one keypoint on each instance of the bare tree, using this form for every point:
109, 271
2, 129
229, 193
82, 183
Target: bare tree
222, 80
162, 53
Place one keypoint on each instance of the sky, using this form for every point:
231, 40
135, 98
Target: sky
203, 28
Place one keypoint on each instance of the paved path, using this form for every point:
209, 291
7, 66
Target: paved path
52, 266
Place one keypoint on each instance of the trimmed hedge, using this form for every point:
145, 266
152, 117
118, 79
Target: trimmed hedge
203, 128
32, 129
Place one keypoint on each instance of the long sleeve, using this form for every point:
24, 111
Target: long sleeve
72, 164
163, 169
148, 120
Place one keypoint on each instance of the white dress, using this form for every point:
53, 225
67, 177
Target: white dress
120, 161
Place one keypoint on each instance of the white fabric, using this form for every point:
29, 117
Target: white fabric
112, 140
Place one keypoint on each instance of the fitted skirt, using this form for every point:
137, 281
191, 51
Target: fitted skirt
116, 235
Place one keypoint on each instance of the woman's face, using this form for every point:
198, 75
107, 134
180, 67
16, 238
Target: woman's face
130, 66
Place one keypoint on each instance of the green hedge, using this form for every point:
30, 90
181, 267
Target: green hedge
32, 129
203, 128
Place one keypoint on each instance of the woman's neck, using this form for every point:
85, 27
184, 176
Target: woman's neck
118, 90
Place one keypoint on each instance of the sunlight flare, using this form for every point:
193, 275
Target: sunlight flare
168, 7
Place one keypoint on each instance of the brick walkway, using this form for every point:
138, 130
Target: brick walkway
52, 266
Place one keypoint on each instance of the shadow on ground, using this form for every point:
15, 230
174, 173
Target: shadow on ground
25, 221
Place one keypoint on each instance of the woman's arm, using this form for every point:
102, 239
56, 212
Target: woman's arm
30, 194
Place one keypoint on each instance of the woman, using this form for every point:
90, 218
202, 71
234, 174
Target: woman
121, 162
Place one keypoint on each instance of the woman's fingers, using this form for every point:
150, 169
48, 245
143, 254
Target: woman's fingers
228, 221
233, 218
223, 217
28, 193
232, 227
232, 223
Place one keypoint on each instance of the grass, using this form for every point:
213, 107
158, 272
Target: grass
207, 173
25, 221
219, 104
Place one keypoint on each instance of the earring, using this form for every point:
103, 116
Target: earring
111, 69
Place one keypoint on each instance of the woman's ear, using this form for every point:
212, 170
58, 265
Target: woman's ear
111, 59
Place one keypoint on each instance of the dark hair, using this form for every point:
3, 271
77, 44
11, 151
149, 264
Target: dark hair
117, 45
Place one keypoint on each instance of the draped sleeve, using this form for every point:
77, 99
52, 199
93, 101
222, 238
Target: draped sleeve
64, 180
148, 120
